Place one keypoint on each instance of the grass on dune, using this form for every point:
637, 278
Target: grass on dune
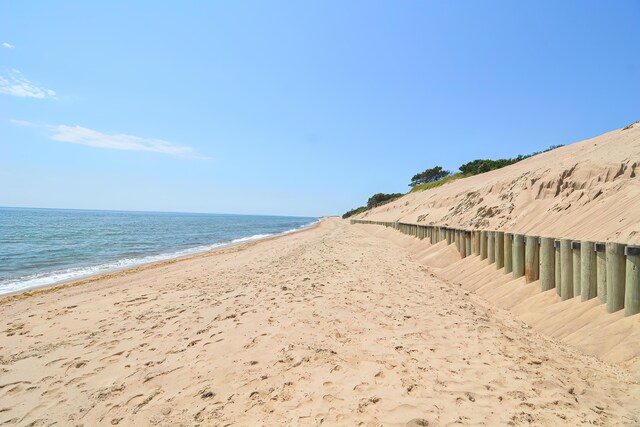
430, 185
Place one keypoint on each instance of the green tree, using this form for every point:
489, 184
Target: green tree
379, 198
429, 175
355, 211
485, 165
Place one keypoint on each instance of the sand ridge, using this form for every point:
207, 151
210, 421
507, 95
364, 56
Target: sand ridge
329, 326
588, 190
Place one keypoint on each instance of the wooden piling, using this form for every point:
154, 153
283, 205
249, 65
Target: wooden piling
575, 253
467, 242
632, 287
518, 255
483, 244
499, 249
491, 247
588, 272
601, 270
616, 272
556, 250
476, 242
566, 269
508, 252
547, 264
532, 259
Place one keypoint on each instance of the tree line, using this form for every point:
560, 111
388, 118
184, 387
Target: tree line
437, 174
377, 199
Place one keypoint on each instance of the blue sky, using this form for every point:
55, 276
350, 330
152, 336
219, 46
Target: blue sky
299, 108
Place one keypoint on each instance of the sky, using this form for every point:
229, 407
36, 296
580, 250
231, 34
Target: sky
294, 108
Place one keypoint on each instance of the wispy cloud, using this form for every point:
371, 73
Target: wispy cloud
93, 138
15, 84
8, 45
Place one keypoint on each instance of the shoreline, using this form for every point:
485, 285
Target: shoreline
335, 326
70, 283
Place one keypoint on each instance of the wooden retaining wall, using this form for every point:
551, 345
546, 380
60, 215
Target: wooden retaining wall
608, 271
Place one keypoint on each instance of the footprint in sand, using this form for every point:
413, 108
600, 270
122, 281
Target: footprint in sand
417, 422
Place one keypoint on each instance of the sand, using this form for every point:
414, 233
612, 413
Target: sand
337, 325
589, 190
585, 325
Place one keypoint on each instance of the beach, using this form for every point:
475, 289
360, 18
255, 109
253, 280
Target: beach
319, 214
335, 325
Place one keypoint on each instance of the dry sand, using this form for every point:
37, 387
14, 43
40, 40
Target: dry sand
589, 190
335, 325
585, 325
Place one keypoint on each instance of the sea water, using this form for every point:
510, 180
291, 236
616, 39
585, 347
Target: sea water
45, 246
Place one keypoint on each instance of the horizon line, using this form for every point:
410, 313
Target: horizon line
154, 211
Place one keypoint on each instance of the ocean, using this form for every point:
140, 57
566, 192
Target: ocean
45, 246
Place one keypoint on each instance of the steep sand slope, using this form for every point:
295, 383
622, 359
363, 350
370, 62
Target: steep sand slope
585, 325
587, 190
330, 326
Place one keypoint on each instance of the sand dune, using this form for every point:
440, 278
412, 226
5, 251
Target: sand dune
332, 326
589, 190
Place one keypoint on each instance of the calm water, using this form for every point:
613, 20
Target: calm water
45, 246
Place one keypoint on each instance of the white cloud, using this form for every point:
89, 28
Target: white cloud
24, 123
93, 138
15, 84
8, 45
